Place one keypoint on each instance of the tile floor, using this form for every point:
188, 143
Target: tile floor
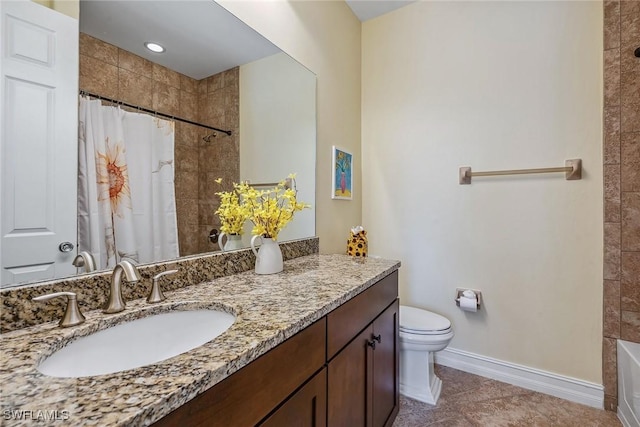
470, 400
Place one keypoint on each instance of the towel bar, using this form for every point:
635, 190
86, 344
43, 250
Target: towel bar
572, 169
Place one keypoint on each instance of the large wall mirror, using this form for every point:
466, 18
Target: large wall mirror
249, 114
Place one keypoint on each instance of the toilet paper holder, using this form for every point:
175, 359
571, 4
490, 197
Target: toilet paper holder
459, 292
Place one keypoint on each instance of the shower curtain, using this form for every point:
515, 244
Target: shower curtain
126, 197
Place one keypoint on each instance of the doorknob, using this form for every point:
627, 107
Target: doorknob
377, 338
65, 247
371, 344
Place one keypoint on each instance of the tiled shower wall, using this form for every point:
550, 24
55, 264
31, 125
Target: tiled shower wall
621, 185
218, 101
111, 72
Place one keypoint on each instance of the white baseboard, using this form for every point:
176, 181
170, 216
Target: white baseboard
568, 388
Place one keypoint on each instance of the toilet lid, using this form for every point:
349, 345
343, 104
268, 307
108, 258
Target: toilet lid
417, 320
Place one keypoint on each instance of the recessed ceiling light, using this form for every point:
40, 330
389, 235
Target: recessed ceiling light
154, 47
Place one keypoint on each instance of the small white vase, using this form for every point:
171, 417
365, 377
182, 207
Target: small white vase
268, 257
234, 241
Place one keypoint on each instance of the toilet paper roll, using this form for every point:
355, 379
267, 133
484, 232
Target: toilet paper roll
469, 304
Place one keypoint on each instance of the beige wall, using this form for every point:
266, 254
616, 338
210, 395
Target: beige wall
501, 85
278, 123
325, 37
622, 185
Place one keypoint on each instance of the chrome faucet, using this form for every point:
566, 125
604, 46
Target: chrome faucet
116, 303
86, 260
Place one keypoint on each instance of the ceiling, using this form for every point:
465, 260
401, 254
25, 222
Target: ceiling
368, 9
201, 37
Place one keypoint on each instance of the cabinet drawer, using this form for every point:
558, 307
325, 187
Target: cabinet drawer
247, 396
346, 321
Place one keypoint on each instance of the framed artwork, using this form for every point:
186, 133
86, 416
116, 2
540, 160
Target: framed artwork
342, 182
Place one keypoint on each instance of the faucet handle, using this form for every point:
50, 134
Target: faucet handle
72, 315
156, 293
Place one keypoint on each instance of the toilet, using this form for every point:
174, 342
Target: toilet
421, 334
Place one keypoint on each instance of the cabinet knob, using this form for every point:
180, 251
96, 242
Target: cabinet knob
377, 338
371, 344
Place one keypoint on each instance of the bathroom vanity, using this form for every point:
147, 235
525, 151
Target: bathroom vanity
314, 345
341, 370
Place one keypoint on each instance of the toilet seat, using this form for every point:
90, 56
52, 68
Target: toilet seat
413, 332
416, 321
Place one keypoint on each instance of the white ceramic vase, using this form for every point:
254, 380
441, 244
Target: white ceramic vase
234, 241
268, 256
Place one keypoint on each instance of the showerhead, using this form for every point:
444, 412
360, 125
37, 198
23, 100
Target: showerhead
208, 137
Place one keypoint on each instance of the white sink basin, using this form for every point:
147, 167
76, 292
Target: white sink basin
137, 343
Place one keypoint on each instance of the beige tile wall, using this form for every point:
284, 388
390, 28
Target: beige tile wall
111, 72
218, 103
621, 185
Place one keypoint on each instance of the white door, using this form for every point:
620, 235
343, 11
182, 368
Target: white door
38, 141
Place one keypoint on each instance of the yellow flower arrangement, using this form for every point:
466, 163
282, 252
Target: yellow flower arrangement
271, 210
232, 212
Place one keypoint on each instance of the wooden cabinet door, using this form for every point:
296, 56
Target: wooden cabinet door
385, 388
249, 395
306, 408
349, 379
363, 380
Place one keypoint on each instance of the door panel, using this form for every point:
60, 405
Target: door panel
306, 408
38, 142
385, 356
348, 381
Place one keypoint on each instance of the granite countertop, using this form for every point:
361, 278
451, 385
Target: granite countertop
268, 308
